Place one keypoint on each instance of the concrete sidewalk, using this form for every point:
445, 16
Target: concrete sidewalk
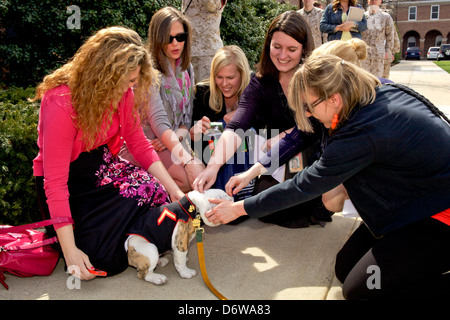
426, 78
249, 261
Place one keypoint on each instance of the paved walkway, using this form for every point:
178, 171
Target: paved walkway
249, 261
427, 78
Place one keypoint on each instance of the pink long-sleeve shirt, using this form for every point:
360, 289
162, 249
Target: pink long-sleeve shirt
60, 143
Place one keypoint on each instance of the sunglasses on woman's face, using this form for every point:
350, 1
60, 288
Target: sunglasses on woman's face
181, 37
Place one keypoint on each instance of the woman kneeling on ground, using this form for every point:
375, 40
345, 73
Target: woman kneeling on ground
389, 147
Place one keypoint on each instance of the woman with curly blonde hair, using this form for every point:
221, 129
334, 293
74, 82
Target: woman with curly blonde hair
89, 108
98, 79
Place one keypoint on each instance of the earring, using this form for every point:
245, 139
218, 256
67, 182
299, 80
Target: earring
335, 121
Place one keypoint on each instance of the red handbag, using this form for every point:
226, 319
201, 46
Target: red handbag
26, 252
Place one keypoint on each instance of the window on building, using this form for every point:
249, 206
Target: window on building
438, 41
412, 42
434, 12
412, 13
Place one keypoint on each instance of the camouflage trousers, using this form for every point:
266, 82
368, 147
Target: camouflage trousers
387, 68
374, 64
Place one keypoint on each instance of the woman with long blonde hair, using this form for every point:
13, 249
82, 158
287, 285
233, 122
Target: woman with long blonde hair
89, 108
390, 148
227, 56
217, 98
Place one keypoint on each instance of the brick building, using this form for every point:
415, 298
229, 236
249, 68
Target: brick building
421, 23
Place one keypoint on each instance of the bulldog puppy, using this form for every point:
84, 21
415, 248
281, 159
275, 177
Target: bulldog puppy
172, 229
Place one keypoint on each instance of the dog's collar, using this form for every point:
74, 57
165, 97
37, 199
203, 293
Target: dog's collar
188, 206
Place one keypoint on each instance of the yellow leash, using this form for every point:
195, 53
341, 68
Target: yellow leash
201, 257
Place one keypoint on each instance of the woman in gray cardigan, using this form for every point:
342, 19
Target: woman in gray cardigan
167, 124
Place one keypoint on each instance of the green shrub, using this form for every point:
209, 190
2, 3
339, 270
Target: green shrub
18, 148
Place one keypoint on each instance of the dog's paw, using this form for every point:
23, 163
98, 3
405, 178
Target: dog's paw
187, 273
156, 278
163, 261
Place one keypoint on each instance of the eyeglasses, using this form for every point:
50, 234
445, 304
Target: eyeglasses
181, 37
313, 105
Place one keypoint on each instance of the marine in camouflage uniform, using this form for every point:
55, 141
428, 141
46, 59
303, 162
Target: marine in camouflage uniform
379, 36
312, 16
205, 16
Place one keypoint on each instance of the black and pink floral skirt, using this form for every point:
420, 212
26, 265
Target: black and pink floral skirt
108, 198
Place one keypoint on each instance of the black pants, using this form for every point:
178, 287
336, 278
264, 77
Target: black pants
299, 216
409, 263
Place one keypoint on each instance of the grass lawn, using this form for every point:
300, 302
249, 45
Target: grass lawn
444, 65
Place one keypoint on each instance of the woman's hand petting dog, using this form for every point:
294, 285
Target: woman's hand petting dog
225, 211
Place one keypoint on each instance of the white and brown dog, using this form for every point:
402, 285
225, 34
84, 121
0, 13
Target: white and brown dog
173, 229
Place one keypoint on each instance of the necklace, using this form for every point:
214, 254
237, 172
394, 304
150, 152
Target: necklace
233, 106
